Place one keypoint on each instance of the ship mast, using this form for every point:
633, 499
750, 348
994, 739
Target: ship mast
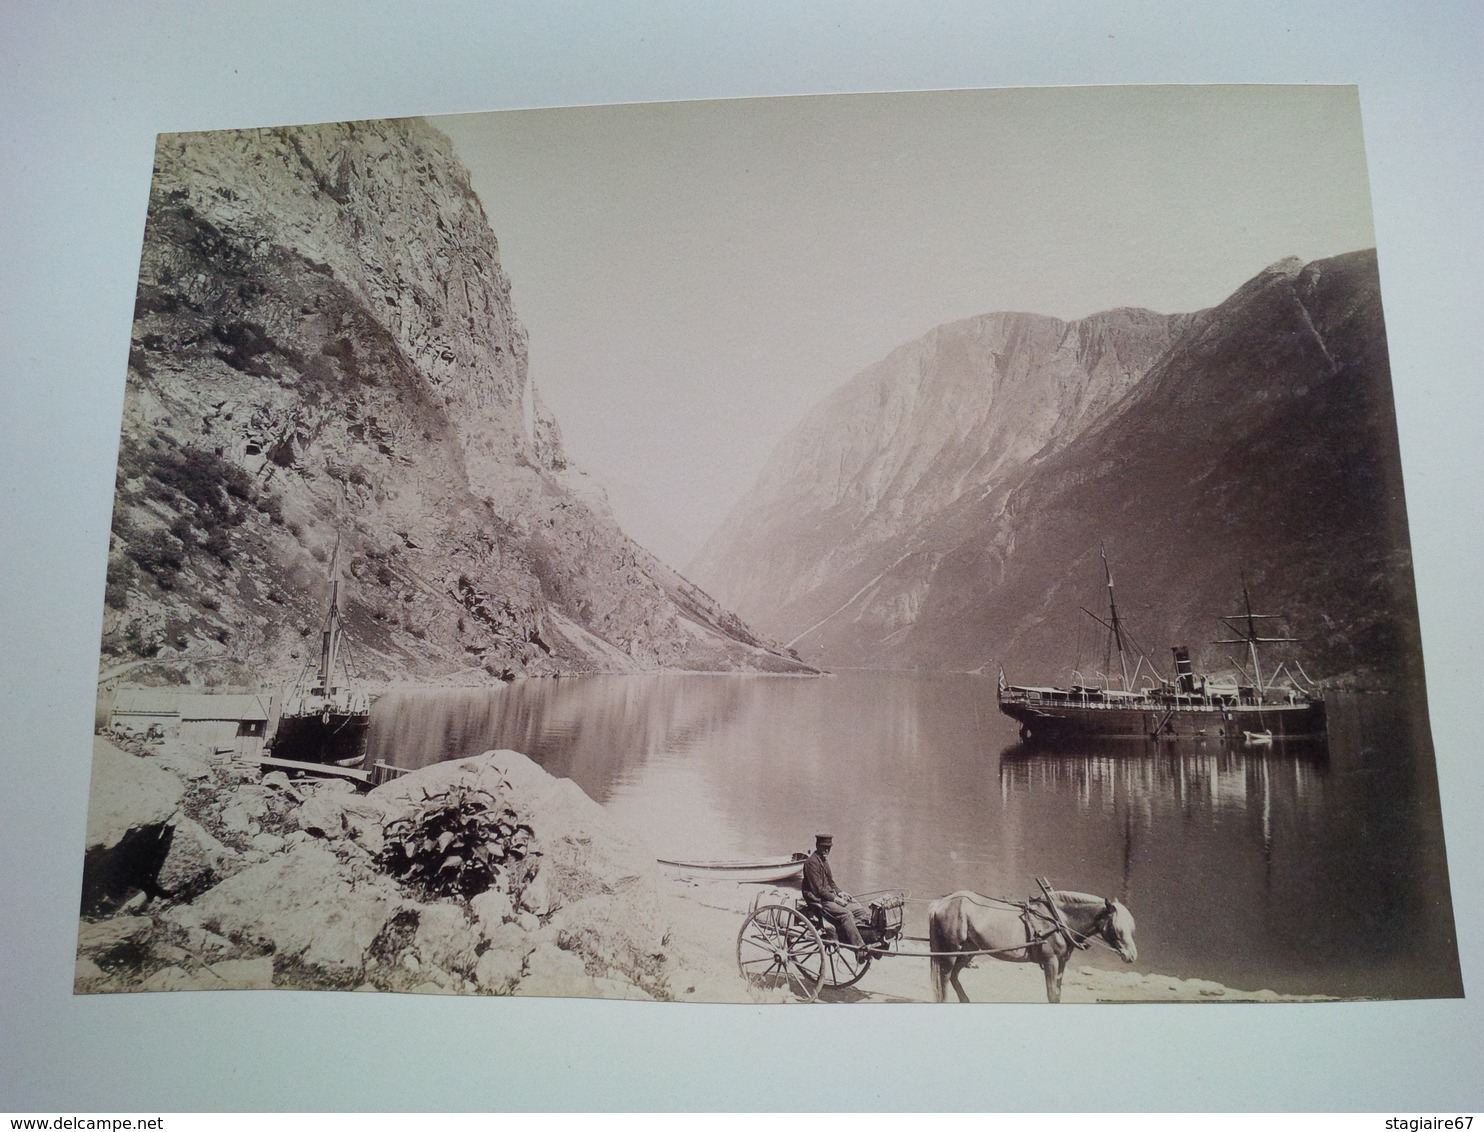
1250, 636
1114, 625
330, 638
1117, 626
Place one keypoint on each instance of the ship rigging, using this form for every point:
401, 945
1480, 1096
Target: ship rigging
1191, 705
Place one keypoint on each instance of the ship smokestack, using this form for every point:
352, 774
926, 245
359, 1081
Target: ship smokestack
1184, 674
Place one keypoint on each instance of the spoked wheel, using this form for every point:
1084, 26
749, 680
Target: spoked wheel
778, 947
842, 968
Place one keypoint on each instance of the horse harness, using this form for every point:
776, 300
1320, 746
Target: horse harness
1059, 925
1041, 926
1033, 919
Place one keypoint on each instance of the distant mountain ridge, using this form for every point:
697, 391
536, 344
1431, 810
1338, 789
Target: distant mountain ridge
945, 416
325, 350
1256, 440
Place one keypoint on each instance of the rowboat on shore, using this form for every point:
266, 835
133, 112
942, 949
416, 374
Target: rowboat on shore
766, 870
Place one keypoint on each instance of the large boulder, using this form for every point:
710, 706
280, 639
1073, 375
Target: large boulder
100, 937
491, 909
127, 794
304, 906
622, 933
583, 850
445, 937
334, 814
131, 805
323, 815
554, 973
364, 821
590, 881
497, 971
238, 974
194, 860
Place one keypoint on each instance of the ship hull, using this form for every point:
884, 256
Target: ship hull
331, 738
1059, 722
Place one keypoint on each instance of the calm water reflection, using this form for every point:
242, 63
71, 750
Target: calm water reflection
1296, 868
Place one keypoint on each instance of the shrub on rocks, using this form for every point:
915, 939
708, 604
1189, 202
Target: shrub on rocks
583, 849
455, 843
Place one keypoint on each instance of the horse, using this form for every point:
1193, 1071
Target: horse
1032, 932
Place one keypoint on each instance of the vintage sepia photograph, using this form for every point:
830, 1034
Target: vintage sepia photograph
941, 547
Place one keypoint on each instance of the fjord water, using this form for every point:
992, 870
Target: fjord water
1295, 868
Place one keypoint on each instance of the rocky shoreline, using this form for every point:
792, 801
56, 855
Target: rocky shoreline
202, 874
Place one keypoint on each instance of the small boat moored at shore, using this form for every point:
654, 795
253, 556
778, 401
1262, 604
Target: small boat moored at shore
766, 870
324, 720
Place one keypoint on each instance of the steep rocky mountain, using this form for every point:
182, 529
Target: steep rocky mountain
325, 352
939, 420
1260, 444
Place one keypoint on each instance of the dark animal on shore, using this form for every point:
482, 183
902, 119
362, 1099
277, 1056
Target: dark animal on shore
1038, 931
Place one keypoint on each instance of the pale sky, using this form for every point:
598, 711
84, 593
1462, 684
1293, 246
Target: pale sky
696, 275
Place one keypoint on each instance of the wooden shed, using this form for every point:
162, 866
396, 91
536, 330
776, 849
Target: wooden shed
221, 723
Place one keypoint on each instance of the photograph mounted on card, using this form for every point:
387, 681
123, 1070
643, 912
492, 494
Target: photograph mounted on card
942, 547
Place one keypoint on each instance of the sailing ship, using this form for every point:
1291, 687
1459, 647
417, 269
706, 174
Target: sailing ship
1258, 708
325, 718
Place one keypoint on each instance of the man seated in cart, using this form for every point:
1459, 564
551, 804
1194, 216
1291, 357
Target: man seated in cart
822, 893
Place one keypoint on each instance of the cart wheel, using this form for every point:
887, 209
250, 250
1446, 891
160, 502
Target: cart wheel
778, 947
843, 969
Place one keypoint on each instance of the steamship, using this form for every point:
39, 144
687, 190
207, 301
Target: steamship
1256, 710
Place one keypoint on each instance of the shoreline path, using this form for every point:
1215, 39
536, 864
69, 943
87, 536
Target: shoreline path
709, 914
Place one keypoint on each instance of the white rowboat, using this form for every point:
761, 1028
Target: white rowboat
763, 871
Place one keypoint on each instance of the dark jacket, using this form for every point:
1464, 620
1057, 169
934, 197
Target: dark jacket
819, 882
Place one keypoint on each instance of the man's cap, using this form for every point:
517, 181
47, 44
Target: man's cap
823, 839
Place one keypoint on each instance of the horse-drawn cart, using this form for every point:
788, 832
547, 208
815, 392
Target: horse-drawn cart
786, 942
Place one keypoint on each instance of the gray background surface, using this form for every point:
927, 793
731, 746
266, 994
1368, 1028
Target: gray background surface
86, 87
